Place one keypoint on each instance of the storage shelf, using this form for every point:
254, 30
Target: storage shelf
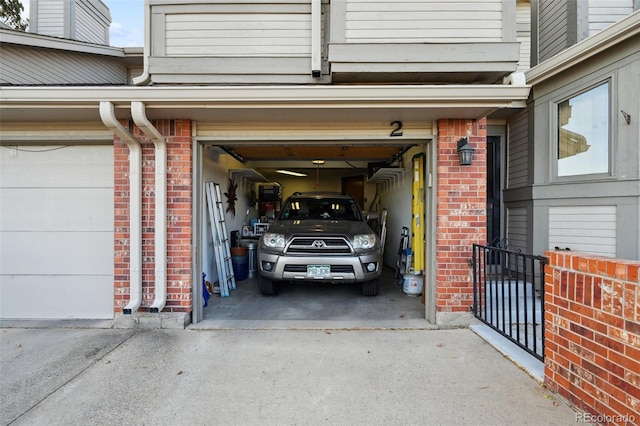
248, 174
387, 175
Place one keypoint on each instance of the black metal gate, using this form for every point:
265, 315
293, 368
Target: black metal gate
508, 295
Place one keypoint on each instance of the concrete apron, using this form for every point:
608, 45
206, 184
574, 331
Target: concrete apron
74, 376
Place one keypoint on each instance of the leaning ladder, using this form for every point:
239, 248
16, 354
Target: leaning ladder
402, 261
221, 247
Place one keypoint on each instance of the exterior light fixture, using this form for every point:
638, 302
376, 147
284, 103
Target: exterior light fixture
317, 162
465, 152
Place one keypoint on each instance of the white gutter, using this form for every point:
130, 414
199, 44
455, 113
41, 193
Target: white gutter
107, 114
272, 96
145, 77
316, 41
140, 118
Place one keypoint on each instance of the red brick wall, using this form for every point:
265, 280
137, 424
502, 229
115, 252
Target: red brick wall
179, 174
592, 341
461, 212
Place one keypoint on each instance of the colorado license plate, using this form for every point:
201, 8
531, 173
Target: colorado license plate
318, 270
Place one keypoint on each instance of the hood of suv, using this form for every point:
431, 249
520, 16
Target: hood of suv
335, 227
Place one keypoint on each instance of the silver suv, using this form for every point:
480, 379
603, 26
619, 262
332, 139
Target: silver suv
323, 238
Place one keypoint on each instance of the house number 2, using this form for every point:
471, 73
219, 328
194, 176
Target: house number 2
397, 128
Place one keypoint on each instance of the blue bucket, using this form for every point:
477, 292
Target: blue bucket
240, 267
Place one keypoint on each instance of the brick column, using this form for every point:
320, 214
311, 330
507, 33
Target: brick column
460, 216
592, 335
179, 225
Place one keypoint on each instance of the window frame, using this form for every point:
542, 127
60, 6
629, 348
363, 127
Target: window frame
555, 131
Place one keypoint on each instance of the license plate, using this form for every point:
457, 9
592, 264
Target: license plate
318, 271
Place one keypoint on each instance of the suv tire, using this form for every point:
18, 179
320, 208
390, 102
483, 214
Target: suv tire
267, 286
369, 288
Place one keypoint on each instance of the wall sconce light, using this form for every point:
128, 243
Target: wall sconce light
465, 152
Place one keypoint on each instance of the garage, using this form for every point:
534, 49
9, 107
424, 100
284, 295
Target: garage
371, 161
56, 256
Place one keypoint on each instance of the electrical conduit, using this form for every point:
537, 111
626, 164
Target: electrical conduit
107, 114
139, 115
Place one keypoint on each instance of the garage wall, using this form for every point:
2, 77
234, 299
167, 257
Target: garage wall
215, 168
56, 231
396, 198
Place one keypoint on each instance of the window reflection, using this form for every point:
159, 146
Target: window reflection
583, 133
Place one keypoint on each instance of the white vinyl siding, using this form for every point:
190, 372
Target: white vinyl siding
83, 20
517, 228
23, 65
88, 27
603, 13
238, 34
56, 228
523, 34
427, 21
589, 229
518, 151
51, 18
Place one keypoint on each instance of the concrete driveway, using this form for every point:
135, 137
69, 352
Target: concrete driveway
77, 376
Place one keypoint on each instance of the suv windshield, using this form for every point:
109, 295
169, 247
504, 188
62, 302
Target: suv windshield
321, 208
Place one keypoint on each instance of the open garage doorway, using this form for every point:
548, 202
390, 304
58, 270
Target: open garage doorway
384, 171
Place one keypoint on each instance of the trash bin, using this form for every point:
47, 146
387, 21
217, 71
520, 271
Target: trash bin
251, 247
240, 262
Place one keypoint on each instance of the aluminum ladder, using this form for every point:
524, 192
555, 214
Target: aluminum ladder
221, 245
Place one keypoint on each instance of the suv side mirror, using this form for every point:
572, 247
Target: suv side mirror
372, 215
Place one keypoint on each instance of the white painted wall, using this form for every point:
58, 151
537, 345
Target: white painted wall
396, 198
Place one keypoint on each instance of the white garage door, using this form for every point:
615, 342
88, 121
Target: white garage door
56, 232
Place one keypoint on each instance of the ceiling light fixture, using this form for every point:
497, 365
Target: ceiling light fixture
289, 172
318, 163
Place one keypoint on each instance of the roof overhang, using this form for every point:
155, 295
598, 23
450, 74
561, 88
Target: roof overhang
279, 103
620, 31
22, 38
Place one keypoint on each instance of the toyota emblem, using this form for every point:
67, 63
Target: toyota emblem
319, 244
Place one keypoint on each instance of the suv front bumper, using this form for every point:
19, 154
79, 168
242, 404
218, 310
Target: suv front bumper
349, 269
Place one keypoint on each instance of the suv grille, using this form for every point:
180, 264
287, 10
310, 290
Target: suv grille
340, 269
322, 245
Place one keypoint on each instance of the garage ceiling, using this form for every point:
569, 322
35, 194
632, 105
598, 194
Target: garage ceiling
342, 160
328, 153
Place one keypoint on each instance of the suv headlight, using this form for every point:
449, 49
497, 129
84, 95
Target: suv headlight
273, 240
364, 241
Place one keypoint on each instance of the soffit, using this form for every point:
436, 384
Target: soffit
264, 103
353, 123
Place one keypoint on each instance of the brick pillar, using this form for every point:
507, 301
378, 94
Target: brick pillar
592, 335
179, 225
460, 216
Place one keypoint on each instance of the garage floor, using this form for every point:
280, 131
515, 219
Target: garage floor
303, 306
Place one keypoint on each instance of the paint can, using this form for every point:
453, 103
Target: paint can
412, 284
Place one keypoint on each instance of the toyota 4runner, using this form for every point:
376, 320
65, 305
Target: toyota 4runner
322, 238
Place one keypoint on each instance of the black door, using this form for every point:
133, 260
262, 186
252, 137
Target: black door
493, 190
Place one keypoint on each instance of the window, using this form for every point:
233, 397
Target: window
583, 133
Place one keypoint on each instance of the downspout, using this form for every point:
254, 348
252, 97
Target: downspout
145, 77
109, 119
140, 118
